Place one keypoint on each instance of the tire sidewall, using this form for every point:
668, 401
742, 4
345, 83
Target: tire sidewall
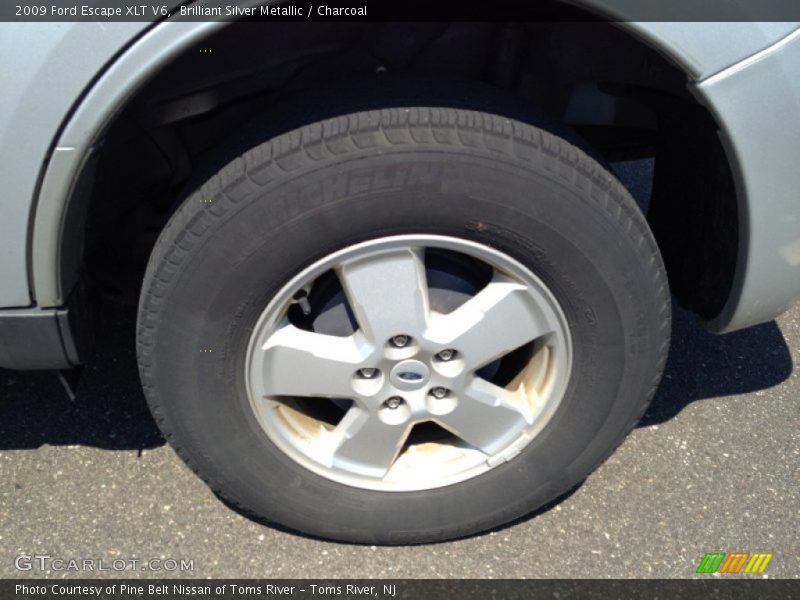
563, 232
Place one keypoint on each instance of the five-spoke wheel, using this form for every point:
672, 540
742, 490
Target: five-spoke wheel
480, 380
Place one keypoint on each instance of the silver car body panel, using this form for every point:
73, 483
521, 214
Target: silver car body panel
46, 67
67, 80
757, 104
701, 48
99, 105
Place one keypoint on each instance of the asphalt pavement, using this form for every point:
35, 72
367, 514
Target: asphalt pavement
714, 466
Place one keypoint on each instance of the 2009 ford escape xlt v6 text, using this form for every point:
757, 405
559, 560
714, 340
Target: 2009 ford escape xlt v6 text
389, 290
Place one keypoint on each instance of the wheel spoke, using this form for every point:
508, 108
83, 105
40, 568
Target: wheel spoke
388, 292
296, 362
368, 446
487, 416
500, 318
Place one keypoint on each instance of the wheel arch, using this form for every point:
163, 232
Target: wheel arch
56, 232
56, 238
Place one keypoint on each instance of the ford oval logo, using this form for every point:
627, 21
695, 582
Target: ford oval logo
409, 376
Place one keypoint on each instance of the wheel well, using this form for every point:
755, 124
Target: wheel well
620, 95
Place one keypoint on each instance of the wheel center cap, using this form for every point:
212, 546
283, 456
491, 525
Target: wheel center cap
409, 375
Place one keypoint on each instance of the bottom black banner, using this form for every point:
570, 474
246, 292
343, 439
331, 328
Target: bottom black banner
466, 589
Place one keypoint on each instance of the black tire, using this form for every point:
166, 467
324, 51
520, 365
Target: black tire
330, 184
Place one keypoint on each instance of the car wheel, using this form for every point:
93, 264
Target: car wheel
402, 325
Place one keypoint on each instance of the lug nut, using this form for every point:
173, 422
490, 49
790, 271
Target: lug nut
393, 402
446, 355
439, 392
367, 372
400, 340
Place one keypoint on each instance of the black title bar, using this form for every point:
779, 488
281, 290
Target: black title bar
400, 10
